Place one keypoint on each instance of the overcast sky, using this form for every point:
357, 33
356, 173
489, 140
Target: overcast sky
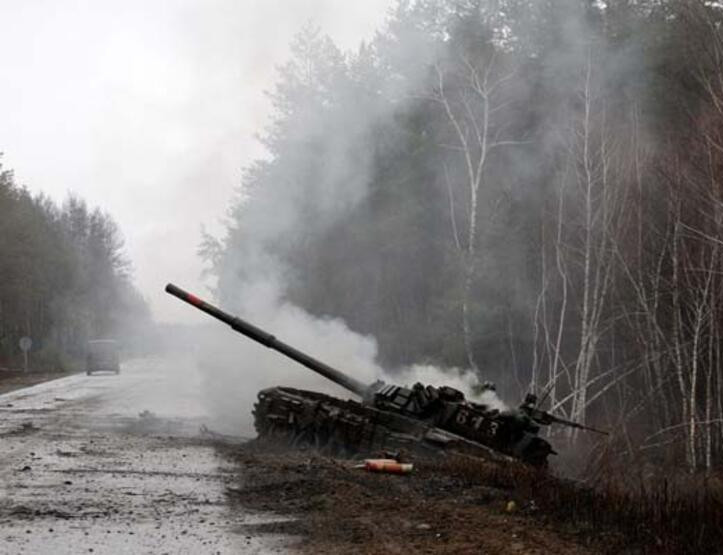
148, 109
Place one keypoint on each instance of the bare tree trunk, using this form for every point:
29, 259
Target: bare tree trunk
471, 128
599, 222
677, 321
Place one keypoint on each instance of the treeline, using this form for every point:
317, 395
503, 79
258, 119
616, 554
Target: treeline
531, 189
63, 278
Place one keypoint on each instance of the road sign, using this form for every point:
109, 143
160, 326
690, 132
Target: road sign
25, 343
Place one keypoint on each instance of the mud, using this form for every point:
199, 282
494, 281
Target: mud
335, 508
85, 468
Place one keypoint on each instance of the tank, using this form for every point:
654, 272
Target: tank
389, 417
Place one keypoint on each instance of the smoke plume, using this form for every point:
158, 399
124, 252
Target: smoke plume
254, 282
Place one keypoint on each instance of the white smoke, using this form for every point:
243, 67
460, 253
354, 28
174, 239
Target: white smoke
235, 367
465, 381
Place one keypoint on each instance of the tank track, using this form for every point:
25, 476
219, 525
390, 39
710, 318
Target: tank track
339, 427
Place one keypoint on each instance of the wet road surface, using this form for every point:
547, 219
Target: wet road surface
118, 464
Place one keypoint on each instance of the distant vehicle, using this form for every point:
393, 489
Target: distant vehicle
102, 356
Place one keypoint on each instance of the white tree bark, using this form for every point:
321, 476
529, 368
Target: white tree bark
470, 117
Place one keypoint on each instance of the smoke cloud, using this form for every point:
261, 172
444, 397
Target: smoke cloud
255, 283
235, 368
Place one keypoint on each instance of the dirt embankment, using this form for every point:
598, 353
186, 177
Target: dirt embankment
335, 508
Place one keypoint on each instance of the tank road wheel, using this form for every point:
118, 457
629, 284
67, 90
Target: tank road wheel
308, 419
319, 441
283, 434
305, 437
298, 440
268, 431
274, 433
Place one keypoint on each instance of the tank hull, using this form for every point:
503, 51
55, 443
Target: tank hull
346, 427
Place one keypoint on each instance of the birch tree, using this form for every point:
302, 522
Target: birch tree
471, 95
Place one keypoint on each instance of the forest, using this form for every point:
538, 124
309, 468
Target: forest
530, 189
64, 278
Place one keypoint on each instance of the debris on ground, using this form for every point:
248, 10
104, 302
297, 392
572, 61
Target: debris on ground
389, 466
335, 508
24, 429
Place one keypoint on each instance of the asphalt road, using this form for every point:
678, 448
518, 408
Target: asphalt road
118, 464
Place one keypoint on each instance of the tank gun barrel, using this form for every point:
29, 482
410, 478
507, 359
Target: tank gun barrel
268, 340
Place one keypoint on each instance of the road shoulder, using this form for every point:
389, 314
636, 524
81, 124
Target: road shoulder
336, 508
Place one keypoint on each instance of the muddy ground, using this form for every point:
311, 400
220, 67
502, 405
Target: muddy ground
335, 508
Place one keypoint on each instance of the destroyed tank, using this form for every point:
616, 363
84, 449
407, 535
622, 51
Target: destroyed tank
388, 417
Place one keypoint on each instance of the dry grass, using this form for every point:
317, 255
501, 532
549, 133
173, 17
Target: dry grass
339, 509
674, 513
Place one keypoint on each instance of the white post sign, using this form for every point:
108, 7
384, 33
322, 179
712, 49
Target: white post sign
25, 344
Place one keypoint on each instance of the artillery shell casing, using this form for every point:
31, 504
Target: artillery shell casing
388, 466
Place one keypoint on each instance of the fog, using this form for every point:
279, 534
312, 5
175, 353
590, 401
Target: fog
256, 282
149, 110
